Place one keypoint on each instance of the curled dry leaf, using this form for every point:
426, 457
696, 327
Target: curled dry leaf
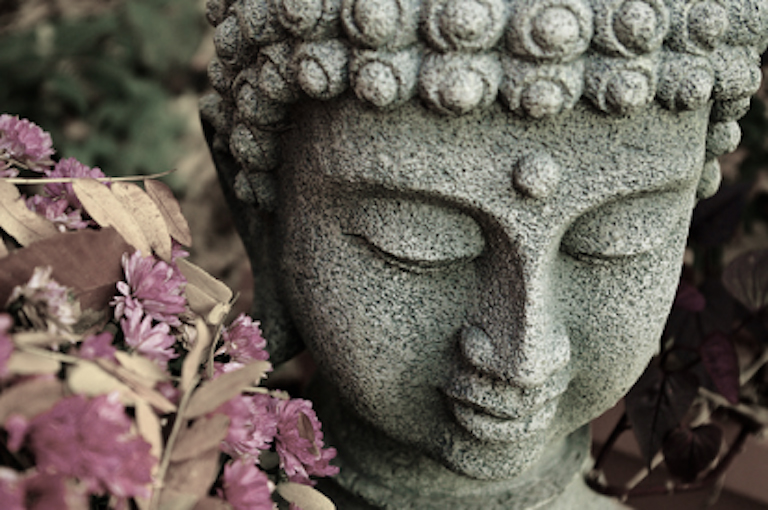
193, 476
195, 356
148, 425
135, 383
30, 363
30, 398
209, 503
308, 432
211, 395
147, 215
169, 207
88, 262
18, 221
207, 296
89, 379
38, 339
176, 500
204, 434
305, 497
143, 368
107, 210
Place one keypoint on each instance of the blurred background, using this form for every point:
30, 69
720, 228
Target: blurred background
116, 83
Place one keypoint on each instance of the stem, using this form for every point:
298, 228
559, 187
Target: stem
56, 180
621, 426
166, 460
751, 370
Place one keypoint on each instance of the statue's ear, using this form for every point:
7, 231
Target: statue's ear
252, 202
710, 179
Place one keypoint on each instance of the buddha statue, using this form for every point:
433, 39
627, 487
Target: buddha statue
473, 214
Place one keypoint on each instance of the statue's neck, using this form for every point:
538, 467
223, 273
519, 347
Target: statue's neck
377, 472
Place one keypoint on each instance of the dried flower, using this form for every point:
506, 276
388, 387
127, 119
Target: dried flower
154, 285
246, 487
299, 442
67, 168
243, 341
90, 439
58, 211
252, 426
45, 304
24, 142
154, 342
98, 346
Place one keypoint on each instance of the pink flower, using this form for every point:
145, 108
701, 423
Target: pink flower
299, 442
6, 343
17, 427
58, 211
24, 142
67, 168
243, 341
44, 491
154, 342
246, 487
252, 426
98, 346
154, 285
91, 441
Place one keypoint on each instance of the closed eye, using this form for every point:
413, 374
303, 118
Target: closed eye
415, 236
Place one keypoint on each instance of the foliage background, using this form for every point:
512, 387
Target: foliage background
116, 83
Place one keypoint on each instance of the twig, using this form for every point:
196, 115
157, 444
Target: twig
751, 370
621, 426
57, 180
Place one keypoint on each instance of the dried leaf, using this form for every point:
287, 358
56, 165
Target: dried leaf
148, 425
204, 434
38, 339
195, 356
169, 207
107, 211
176, 500
204, 292
209, 503
722, 364
135, 383
688, 453
746, 278
18, 221
149, 372
29, 363
211, 395
147, 215
304, 496
30, 398
656, 405
3, 249
89, 262
194, 476
89, 379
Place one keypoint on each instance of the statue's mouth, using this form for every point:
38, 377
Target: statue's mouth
493, 410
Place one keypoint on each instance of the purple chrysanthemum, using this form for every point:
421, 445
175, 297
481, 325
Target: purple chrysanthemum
154, 342
301, 451
25, 142
154, 286
246, 487
67, 168
243, 342
98, 346
91, 440
59, 212
11, 490
252, 426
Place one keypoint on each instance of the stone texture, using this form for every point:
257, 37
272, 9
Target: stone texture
473, 214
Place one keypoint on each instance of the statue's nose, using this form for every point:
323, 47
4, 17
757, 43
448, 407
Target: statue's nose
518, 336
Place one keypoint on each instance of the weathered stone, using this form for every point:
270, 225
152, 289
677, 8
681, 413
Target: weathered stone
475, 227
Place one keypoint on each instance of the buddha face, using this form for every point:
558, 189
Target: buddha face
479, 287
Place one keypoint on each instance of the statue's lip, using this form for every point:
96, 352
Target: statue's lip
486, 426
519, 411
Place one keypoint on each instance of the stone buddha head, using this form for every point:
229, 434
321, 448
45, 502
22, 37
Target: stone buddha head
471, 212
